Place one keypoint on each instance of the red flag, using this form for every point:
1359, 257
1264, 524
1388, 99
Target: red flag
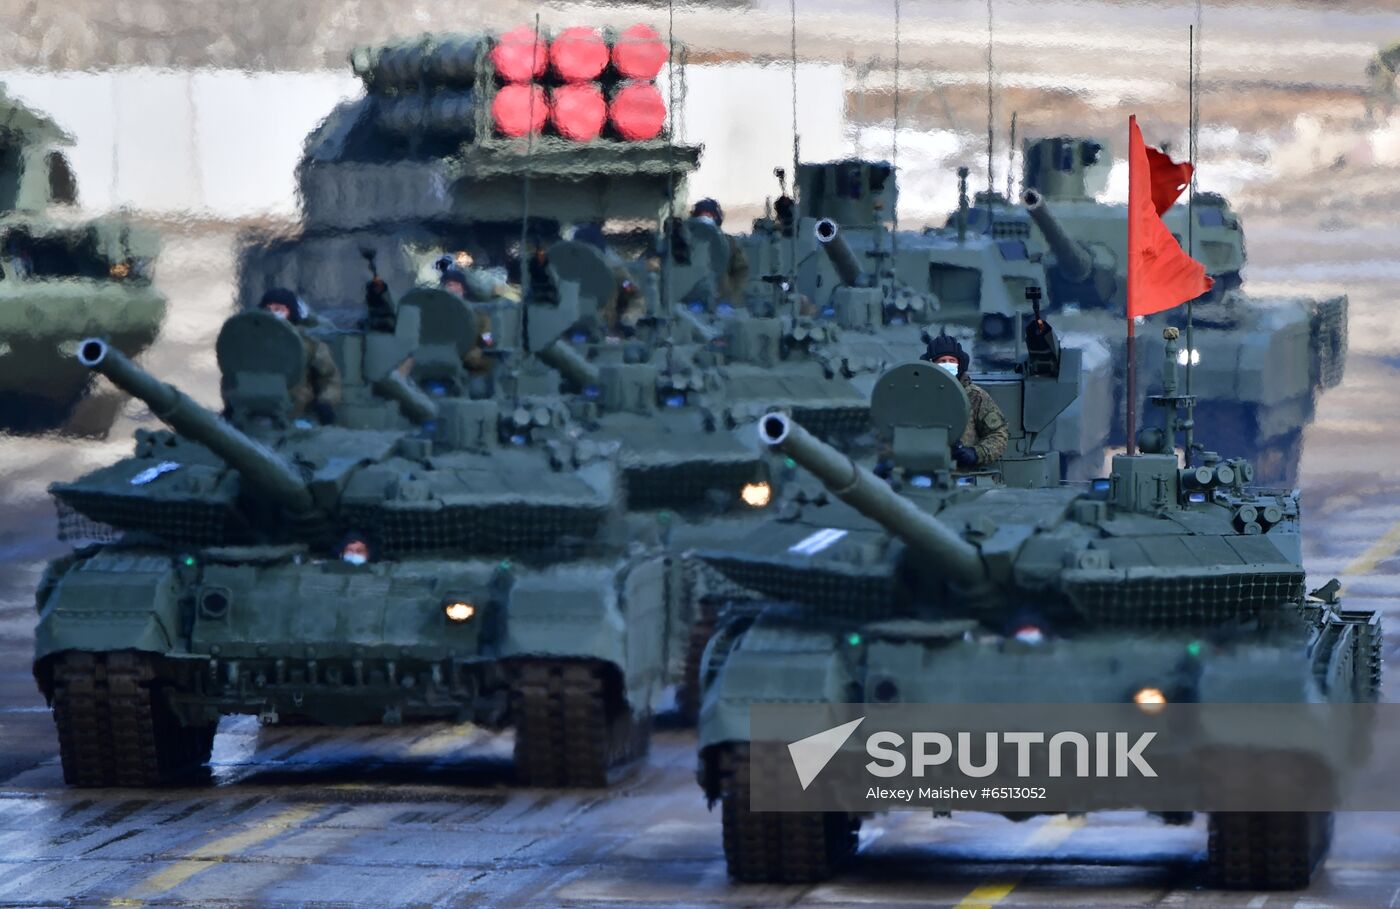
1160, 273
1168, 179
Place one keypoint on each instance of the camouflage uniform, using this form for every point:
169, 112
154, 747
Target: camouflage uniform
475, 360
737, 278
322, 382
986, 431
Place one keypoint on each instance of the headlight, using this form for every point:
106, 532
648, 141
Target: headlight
1183, 355
458, 610
1150, 700
756, 495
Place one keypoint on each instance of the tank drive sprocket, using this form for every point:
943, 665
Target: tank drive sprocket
777, 847
572, 724
114, 729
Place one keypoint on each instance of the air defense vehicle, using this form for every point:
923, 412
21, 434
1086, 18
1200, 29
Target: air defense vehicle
458, 140
1257, 363
422, 559
935, 588
62, 278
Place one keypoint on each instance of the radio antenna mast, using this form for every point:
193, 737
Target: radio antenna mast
796, 151
525, 182
666, 239
990, 121
894, 142
1193, 124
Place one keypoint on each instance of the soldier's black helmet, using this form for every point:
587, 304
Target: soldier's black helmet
944, 345
286, 297
708, 207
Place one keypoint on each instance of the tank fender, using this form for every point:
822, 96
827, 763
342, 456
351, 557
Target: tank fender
112, 601
614, 612
770, 663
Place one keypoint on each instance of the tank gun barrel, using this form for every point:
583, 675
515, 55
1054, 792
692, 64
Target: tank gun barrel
412, 401
1073, 259
561, 356
872, 497
839, 252
259, 466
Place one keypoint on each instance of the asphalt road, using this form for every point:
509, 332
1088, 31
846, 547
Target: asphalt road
427, 816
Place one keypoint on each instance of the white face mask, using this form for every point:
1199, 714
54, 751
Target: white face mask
355, 558
708, 219
950, 368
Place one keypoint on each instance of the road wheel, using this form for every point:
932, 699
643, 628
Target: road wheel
573, 725
778, 847
114, 729
1267, 850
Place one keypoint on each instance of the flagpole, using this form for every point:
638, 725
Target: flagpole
1131, 417
1190, 438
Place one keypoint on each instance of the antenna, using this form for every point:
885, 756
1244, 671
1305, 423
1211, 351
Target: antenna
1193, 124
796, 149
664, 304
990, 139
525, 188
1011, 159
894, 144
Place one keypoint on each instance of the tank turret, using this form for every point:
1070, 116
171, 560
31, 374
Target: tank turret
259, 466
874, 498
1057, 167
854, 192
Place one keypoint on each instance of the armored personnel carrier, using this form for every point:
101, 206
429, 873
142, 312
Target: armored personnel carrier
343, 574
934, 588
1257, 363
61, 279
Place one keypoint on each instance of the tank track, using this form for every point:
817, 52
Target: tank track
113, 728
572, 728
1267, 850
1370, 657
777, 847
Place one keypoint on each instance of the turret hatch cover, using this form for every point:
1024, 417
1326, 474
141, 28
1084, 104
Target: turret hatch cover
574, 260
919, 395
443, 318
258, 342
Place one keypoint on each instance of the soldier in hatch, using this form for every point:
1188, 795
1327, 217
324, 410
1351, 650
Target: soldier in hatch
470, 284
732, 283
319, 391
984, 440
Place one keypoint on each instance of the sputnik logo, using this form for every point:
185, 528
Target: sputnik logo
811, 754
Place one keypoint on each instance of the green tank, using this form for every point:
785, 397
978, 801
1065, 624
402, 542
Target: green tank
934, 587
416, 562
61, 279
891, 286
1258, 364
